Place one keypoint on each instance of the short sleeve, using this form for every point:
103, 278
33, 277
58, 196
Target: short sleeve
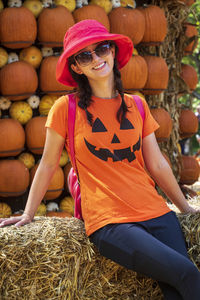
149, 125
57, 117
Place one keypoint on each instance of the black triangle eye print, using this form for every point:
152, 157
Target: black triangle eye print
98, 126
126, 124
115, 139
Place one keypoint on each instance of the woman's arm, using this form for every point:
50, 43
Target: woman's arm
161, 172
49, 162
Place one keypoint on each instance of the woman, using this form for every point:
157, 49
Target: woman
124, 215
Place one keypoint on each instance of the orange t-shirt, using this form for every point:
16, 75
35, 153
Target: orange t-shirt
115, 188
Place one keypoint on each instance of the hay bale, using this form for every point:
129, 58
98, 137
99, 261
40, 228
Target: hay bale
52, 258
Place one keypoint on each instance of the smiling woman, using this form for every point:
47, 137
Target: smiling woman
115, 146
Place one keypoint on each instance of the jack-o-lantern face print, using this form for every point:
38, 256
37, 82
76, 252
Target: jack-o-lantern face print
116, 154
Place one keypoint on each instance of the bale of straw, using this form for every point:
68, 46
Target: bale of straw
52, 258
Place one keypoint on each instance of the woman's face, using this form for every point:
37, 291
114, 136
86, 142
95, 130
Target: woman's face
95, 61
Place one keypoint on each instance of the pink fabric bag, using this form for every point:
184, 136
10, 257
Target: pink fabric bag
72, 180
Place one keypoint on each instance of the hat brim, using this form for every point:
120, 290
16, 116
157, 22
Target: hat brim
125, 50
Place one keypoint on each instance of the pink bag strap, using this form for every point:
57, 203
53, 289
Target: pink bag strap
140, 106
71, 126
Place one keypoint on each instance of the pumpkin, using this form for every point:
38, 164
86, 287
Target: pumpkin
128, 3
92, 12
35, 134
67, 205
189, 75
190, 170
66, 170
127, 21
58, 214
186, 2
21, 111
56, 185
63, 158
191, 32
28, 159
4, 103
188, 123
52, 206
18, 80
32, 55
41, 210
12, 137
158, 75
33, 101
46, 103
155, 25
70, 5
47, 77
12, 57
14, 3
1, 5
34, 6
14, 178
105, 4
5, 210
164, 120
18, 27
134, 73
53, 24
3, 57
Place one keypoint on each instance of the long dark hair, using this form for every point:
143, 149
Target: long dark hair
85, 92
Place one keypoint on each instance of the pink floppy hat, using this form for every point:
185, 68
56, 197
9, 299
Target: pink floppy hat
83, 34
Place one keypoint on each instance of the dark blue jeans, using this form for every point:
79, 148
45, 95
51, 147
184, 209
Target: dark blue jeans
155, 248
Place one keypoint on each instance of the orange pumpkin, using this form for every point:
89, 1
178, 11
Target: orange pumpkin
134, 74
18, 27
164, 120
155, 25
158, 75
188, 123
189, 75
56, 185
12, 137
18, 80
190, 170
47, 77
53, 24
127, 21
14, 178
92, 11
187, 2
35, 134
58, 214
191, 32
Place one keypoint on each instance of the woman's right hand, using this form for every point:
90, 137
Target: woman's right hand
17, 221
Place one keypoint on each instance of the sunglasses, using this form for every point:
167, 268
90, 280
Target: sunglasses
84, 58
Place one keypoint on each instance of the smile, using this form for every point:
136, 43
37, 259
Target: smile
117, 155
99, 66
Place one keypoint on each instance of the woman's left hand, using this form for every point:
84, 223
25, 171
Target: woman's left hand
192, 210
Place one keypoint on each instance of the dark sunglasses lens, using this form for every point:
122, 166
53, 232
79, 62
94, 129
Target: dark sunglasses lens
102, 49
84, 58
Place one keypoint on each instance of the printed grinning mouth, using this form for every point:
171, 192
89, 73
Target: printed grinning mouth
117, 155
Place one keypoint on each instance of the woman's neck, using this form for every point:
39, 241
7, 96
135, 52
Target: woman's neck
103, 88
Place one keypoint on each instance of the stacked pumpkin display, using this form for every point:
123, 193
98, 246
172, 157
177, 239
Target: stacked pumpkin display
31, 39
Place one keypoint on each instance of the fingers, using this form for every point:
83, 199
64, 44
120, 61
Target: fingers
17, 221
22, 222
8, 221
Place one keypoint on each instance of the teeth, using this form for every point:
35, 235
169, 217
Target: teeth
99, 66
